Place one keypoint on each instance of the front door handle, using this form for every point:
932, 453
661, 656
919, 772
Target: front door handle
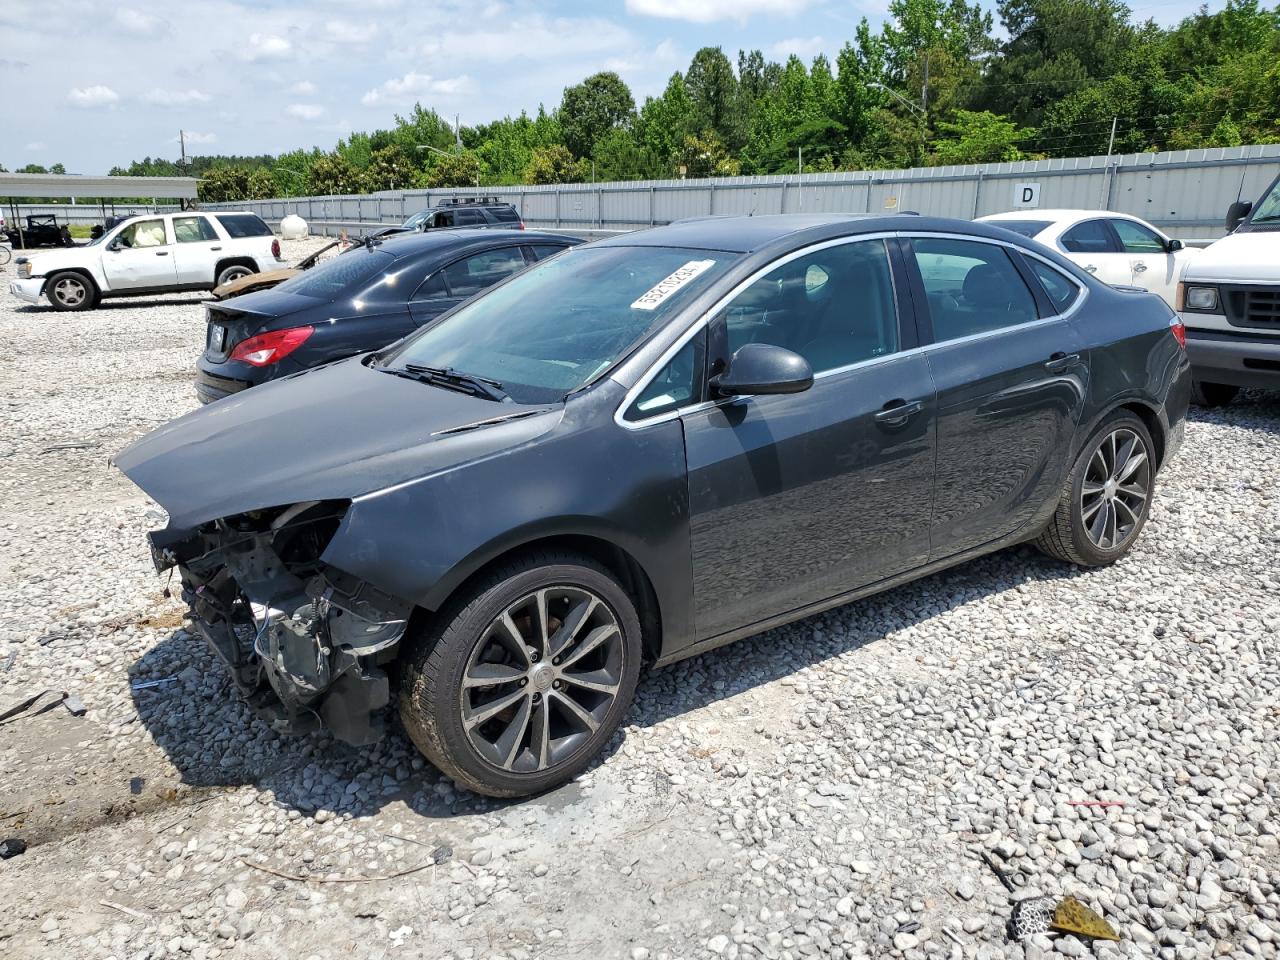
215, 248
898, 412
162, 253
1060, 361
1091, 268
1139, 266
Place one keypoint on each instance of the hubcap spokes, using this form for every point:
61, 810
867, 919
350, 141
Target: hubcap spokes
70, 292
1116, 486
542, 679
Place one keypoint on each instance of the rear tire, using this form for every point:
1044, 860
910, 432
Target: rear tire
71, 291
1210, 395
1107, 496
233, 272
552, 641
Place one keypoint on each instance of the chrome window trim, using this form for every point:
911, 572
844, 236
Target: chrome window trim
701, 322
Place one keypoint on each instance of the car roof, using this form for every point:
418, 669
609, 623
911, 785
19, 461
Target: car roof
1056, 216
448, 241
751, 233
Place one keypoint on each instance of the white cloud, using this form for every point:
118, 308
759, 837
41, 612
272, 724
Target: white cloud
806, 48
344, 31
531, 38
191, 136
267, 46
709, 11
35, 146
307, 111
414, 84
94, 96
134, 21
175, 98
303, 88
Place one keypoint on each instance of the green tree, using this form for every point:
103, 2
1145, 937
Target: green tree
390, 169
455, 170
665, 121
555, 164
331, 176
979, 137
713, 90
592, 108
705, 156
619, 156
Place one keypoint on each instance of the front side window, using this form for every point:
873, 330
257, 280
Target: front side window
1061, 290
470, 218
1092, 236
443, 219
972, 287
559, 325
468, 277
834, 307
677, 384
1267, 212
144, 233
1135, 238
193, 230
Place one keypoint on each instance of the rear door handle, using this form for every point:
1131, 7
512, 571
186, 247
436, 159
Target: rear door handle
1091, 268
162, 253
1139, 266
1060, 361
215, 248
897, 412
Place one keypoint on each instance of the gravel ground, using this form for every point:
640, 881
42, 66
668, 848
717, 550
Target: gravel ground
827, 789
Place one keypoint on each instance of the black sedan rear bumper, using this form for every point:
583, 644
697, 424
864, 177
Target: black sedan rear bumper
210, 387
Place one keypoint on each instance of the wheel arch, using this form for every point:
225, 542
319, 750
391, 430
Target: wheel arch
1145, 410
617, 560
238, 261
95, 287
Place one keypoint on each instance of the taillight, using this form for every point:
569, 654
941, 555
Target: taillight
1179, 331
521, 227
275, 248
269, 348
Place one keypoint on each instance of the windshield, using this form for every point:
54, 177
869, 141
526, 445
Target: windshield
328, 279
414, 222
1268, 209
1027, 228
558, 325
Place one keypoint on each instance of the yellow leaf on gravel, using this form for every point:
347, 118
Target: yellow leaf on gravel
1072, 916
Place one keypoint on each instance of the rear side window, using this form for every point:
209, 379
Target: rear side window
468, 277
543, 250
1092, 236
330, 278
972, 287
193, 230
505, 214
1026, 228
1062, 290
241, 225
1135, 238
470, 218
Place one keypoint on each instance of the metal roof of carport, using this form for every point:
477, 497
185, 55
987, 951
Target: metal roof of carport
70, 185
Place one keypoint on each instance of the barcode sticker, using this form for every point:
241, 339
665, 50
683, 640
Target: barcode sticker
665, 289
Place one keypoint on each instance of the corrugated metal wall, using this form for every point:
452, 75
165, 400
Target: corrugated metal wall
1186, 193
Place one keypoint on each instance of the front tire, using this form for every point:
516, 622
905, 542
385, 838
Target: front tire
71, 291
1107, 496
233, 272
517, 685
1210, 395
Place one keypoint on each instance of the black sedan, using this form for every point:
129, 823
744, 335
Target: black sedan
362, 300
643, 449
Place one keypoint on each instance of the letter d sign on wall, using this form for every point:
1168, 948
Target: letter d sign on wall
1026, 195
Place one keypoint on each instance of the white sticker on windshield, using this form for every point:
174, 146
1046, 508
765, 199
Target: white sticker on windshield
670, 286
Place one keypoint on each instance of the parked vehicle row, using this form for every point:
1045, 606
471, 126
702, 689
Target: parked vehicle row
638, 450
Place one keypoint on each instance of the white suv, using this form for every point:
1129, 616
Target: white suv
153, 253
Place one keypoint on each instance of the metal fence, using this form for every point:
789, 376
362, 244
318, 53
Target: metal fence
1186, 193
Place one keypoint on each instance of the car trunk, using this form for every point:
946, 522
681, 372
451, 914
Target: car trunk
233, 321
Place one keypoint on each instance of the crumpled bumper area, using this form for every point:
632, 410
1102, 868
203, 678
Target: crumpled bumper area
304, 642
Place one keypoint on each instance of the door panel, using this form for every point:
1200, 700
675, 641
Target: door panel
196, 251
794, 499
1152, 266
1095, 246
146, 259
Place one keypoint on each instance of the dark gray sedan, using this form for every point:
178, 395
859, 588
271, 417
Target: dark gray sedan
643, 449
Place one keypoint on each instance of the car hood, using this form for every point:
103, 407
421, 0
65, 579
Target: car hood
45, 262
1248, 257
335, 432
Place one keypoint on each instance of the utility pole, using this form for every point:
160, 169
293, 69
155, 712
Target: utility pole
457, 131
1106, 167
182, 145
924, 89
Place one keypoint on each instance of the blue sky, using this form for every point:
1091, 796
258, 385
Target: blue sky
92, 84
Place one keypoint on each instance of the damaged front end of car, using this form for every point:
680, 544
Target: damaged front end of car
305, 643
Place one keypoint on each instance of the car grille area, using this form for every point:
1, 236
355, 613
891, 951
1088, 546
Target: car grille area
1253, 306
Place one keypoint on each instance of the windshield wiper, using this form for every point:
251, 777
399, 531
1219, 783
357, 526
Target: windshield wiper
452, 379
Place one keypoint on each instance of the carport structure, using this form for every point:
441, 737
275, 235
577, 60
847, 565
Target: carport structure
58, 186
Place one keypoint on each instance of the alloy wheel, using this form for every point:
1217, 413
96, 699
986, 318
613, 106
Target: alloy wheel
542, 679
1116, 486
70, 292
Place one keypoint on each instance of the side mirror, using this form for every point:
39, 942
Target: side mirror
765, 369
115, 244
1173, 246
1236, 213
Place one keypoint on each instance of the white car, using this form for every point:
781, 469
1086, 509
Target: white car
152, 253
1116, 248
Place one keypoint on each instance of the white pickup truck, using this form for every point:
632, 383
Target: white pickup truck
152, 253
1229, 301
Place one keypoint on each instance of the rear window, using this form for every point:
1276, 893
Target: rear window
329, 279
505, 214
241, 225
1027, 228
